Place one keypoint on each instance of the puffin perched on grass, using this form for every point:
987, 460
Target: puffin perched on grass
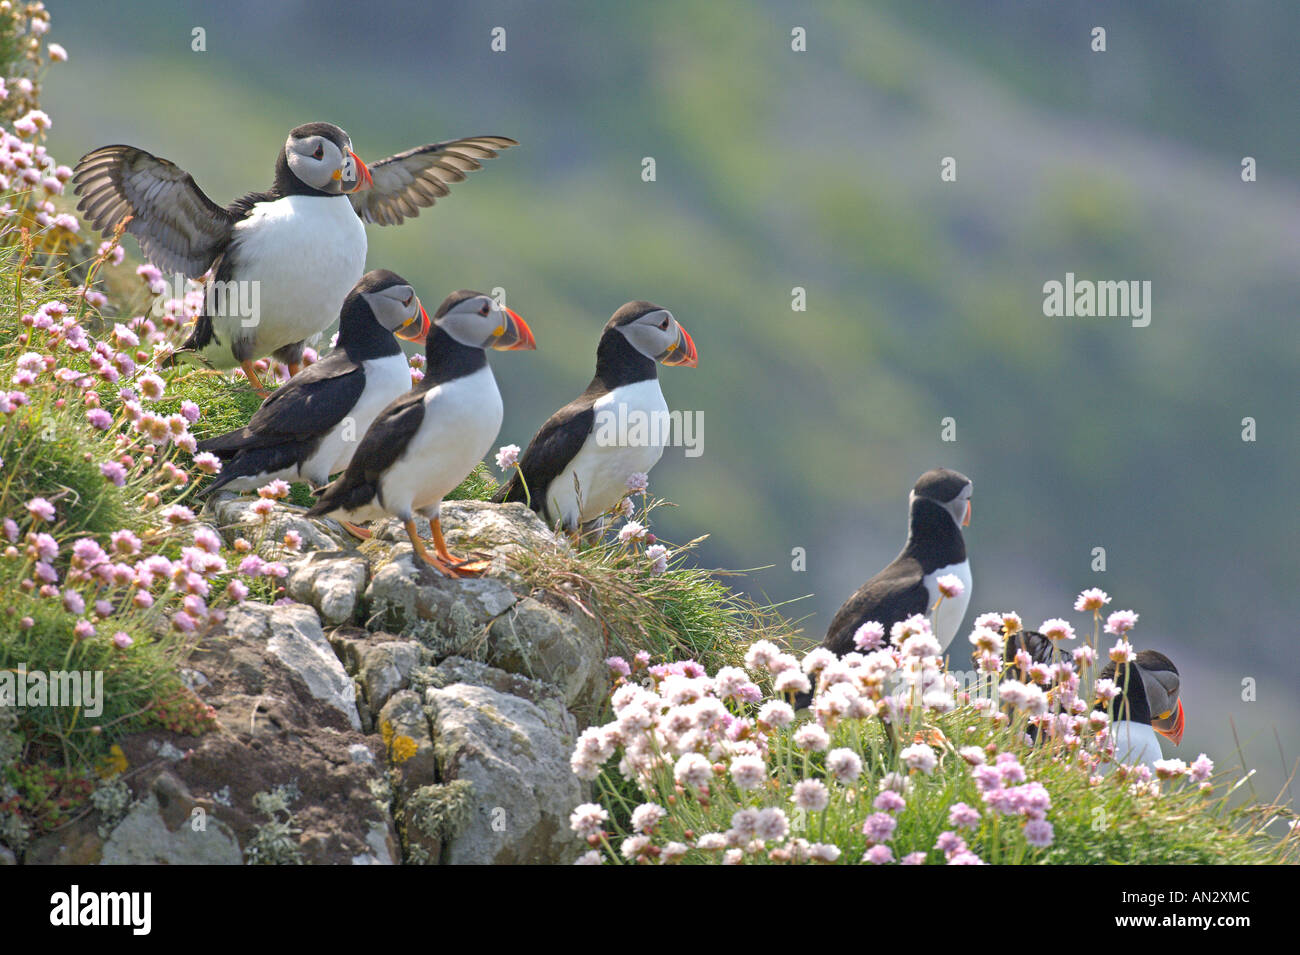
1147, 704
938, 508
292, 252
309, 428
425, 443
577, 465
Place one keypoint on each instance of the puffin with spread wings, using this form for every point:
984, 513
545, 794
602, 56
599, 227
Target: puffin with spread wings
302, 242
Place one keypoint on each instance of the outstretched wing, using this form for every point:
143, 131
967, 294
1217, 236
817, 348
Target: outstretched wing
416, 179
178, 227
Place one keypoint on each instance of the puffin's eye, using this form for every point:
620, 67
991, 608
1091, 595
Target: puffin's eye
319, 153
485, 309
664, 325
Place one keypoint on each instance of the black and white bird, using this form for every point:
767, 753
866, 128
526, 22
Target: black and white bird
1147, 704
308, 429
939, 507
426, 442
577, 465
292, 252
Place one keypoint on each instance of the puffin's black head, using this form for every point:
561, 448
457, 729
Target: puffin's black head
480, 321
654, 333
319, 156
1151, 695
951, 490
387, 298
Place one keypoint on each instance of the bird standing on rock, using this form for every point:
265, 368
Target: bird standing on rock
577, 465
308, 429
425, 443
283, 260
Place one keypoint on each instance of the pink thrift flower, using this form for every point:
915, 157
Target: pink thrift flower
879, 855
1094, 598
507, 456
950, 586
122, 640
40, 509
1121, 622
1056, 629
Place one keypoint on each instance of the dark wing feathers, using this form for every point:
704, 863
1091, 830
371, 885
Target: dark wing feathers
552, 448
315, 400
419, 177
886, 598
178, 227
384, 442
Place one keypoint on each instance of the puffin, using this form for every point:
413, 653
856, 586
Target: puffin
939, 507
577, 465
1147, 704
423, 444
281, 261
308, 429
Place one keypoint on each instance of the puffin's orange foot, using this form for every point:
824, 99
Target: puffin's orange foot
250, 372
468, 566
356, 530
294, 368
472, 566
421, 552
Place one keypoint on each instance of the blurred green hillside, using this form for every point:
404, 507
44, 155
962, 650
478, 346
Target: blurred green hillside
820, 169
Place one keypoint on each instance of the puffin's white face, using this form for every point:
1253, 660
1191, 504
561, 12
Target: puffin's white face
318, 162
657, 335
481, 322
398, 309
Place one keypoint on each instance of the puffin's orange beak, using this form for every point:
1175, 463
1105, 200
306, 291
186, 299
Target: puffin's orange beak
1174, 732
417, 332
970, 508
516, 336
364, 179
682, 351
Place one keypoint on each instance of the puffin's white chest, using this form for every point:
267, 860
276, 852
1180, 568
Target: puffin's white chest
461, 420
387, 378
953, 609
629, 430
304, 253
1135, 743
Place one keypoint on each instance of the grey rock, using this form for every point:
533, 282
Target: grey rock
292, 634
386, 668
236, 518
144, 838
479, 525
448, 616
360, 753
516, 754
560, 647
330, 582
379, 839
7, 856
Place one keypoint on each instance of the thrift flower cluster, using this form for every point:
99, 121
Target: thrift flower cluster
836, 787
